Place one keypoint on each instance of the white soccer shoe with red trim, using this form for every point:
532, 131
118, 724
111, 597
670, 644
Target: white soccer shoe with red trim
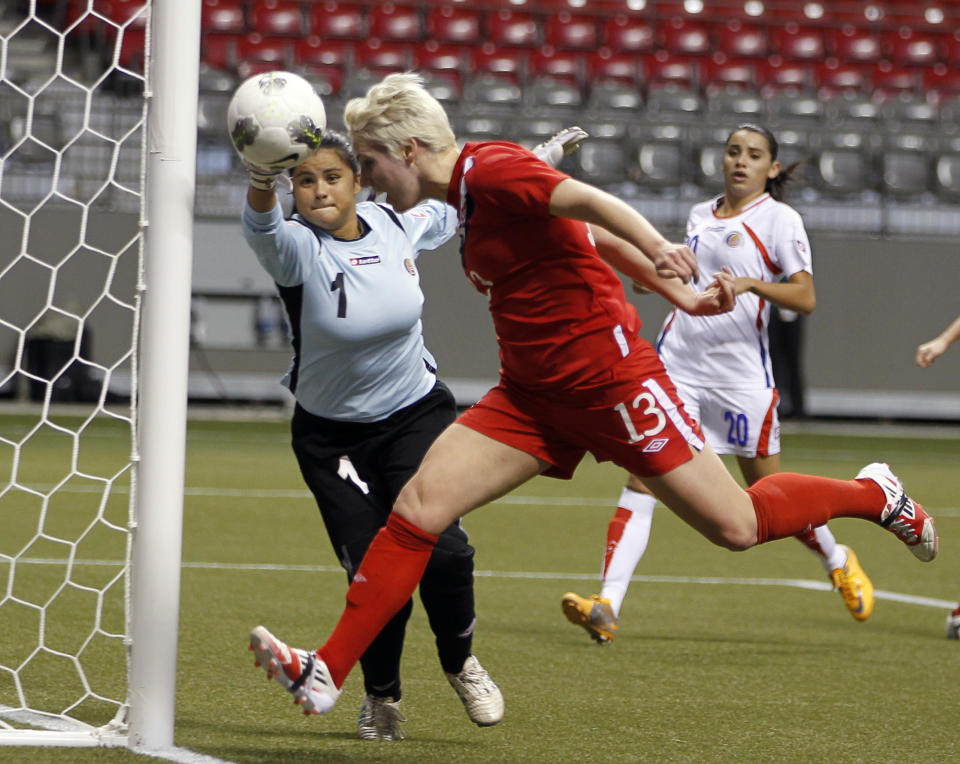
300, 672
902, 515
953, 624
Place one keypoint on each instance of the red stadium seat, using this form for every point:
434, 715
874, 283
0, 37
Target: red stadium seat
686, 38
454, 25
605, 65
778, 75
663, 69
566, 66
888, 80
219, 51
382, 57
796, 43
910, 48
510, 63
738, 40
567, 31
441, 60
223, 16
800, 13
856, 46
682, 11
131, 49
833, 77
255, 49
393, 22
276, 18
124, 11
313, 51
627, 34
509, 28
741, 73
337, 21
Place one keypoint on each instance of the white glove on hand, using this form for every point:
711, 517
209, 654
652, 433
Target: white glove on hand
262, 178
560, 145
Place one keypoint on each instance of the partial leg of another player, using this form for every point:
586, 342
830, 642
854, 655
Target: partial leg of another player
627, 537
840, 561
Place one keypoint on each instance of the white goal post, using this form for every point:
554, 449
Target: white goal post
97, 181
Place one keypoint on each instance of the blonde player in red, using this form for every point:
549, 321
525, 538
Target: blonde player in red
575, 377
927, 353
721, 366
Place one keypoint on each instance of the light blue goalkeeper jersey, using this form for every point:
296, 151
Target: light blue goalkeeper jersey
354, 306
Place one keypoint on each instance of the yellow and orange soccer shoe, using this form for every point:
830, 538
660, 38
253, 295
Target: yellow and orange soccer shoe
854, 586
594, 614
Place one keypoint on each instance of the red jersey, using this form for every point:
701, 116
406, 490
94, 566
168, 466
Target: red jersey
559, 311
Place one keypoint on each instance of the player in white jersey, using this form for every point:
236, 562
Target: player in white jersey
927, 353
721, 366
368, 401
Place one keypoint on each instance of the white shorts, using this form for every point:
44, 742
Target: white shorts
740, 422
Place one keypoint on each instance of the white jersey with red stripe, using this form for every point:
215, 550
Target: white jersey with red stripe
766, 241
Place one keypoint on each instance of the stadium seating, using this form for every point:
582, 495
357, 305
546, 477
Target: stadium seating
818, 72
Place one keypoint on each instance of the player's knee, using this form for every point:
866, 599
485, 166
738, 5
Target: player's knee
736, 537
412, 507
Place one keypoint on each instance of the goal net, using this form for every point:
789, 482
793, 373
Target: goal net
73, 205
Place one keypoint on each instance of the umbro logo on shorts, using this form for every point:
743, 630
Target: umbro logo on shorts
655, 445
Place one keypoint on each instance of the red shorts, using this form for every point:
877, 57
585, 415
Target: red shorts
640, 424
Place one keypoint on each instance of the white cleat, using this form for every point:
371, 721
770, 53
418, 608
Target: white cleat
300, 672
480, 695
902, 515
380, 719
953, 624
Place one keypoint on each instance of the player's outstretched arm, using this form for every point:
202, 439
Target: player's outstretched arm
719, 297
796, 294
928, 352
580, 201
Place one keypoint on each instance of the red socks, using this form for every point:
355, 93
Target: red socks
387, 577
787, 504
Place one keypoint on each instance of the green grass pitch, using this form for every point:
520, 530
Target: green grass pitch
718, 657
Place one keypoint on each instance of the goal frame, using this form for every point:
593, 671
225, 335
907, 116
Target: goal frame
158, 395
172, 65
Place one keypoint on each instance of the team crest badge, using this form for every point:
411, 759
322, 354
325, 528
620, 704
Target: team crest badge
734, 239
408, 264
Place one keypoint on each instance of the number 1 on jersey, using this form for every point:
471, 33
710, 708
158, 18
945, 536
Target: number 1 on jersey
336, 284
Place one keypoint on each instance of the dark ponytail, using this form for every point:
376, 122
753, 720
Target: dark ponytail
774, 186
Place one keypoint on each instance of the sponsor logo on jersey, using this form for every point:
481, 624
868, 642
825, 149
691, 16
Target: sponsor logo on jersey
655, 445
801, 246
408, 264
734, 239
368, 260
417, 214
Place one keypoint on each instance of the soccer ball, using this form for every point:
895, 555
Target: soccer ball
276, 120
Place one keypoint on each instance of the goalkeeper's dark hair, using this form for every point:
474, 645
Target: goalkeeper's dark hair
774, 186
340, 144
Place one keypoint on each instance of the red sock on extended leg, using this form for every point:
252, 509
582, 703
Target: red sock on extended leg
390, 571
788, 504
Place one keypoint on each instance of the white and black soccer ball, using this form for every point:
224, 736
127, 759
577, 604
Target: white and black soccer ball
276, 120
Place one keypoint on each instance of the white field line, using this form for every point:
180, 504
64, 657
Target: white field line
795, 583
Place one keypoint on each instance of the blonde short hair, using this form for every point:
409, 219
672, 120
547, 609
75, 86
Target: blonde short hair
395, 110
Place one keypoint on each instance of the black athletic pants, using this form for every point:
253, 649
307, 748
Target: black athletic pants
355, 471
